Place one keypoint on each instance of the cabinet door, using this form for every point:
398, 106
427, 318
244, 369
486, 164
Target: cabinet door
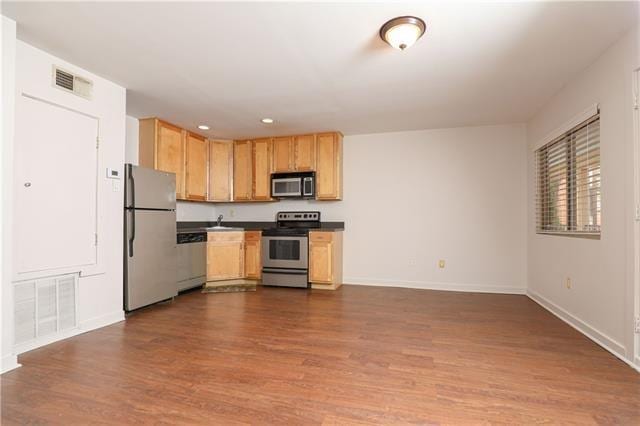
282, 154
242, 170
262, 169
320, 261
304, 153
169, 154
225, 260
252, 255
329, 166
197, 150
220, 170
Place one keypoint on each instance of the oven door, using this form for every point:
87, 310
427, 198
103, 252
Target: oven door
286, 187
285, 252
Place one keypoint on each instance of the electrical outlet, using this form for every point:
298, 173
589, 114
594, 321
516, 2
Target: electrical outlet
637, 327
567, 283
232, 212
441, 264
412, 262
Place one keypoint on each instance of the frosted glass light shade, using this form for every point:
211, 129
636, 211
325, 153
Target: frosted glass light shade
403, 31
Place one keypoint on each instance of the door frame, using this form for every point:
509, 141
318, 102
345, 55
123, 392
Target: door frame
636, 228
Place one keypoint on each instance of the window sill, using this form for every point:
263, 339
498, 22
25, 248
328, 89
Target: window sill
584, 235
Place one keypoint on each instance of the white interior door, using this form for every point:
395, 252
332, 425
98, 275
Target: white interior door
55, 187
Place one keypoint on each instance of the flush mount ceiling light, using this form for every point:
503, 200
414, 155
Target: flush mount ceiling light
403, 31
267, 120
203, 127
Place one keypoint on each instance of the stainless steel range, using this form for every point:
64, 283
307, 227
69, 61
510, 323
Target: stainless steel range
285, 249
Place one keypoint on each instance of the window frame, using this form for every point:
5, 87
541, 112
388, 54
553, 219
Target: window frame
572, 188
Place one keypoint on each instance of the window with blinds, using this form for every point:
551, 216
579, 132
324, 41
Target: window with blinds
568, 180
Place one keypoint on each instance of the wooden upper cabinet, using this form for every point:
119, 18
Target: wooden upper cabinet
162, 147
283, 154
220, 170
224, 171
242, 170
197, 165
261, 169
329, 166
304, 153
294, 154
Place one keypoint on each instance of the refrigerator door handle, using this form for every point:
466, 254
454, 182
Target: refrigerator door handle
132, 210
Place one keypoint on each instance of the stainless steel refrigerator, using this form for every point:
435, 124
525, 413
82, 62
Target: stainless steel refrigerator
150, 249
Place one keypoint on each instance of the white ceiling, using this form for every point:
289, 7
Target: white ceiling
322, 66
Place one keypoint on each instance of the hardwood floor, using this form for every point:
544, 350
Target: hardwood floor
360, 355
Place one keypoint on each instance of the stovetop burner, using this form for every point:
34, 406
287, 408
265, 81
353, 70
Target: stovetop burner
294, 223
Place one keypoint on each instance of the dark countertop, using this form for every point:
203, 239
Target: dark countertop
250, 226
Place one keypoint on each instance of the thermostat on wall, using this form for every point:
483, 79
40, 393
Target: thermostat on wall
113, 174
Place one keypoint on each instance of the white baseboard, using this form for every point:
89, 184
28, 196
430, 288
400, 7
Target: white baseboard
9, 362
101, 321
430, 285
83, 327
591, 332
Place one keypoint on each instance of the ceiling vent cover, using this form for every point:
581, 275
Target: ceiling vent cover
72, 83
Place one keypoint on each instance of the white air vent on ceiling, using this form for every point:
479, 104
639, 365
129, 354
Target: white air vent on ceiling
72, 83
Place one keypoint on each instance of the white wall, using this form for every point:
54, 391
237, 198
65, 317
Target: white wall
600, 302
131, 137
193, 211
8, 43
412, 198
100, 295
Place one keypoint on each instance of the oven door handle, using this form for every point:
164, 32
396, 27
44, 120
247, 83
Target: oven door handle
284, 271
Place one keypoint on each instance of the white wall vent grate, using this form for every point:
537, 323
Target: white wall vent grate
72, 83
44, 307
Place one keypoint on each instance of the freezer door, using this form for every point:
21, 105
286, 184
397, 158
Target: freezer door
149, 188
151, 272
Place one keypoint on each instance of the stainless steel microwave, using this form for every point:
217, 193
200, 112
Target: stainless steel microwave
293, 185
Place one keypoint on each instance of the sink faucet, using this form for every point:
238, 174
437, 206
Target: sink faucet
220, 220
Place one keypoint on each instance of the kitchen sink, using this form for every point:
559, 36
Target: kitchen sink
223, 228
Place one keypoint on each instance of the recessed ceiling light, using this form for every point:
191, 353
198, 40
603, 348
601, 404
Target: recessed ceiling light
203, 127
267, 120
403, 31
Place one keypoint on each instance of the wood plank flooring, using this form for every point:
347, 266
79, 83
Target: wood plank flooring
360, 355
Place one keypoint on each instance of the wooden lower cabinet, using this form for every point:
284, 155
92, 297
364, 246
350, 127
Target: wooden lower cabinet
225, 256
325, 259
252, 255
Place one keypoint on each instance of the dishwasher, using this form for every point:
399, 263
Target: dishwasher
192, 259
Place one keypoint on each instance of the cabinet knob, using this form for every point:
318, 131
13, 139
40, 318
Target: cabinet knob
27, 184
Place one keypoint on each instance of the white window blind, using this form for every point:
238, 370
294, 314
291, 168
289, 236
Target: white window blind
568, 182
